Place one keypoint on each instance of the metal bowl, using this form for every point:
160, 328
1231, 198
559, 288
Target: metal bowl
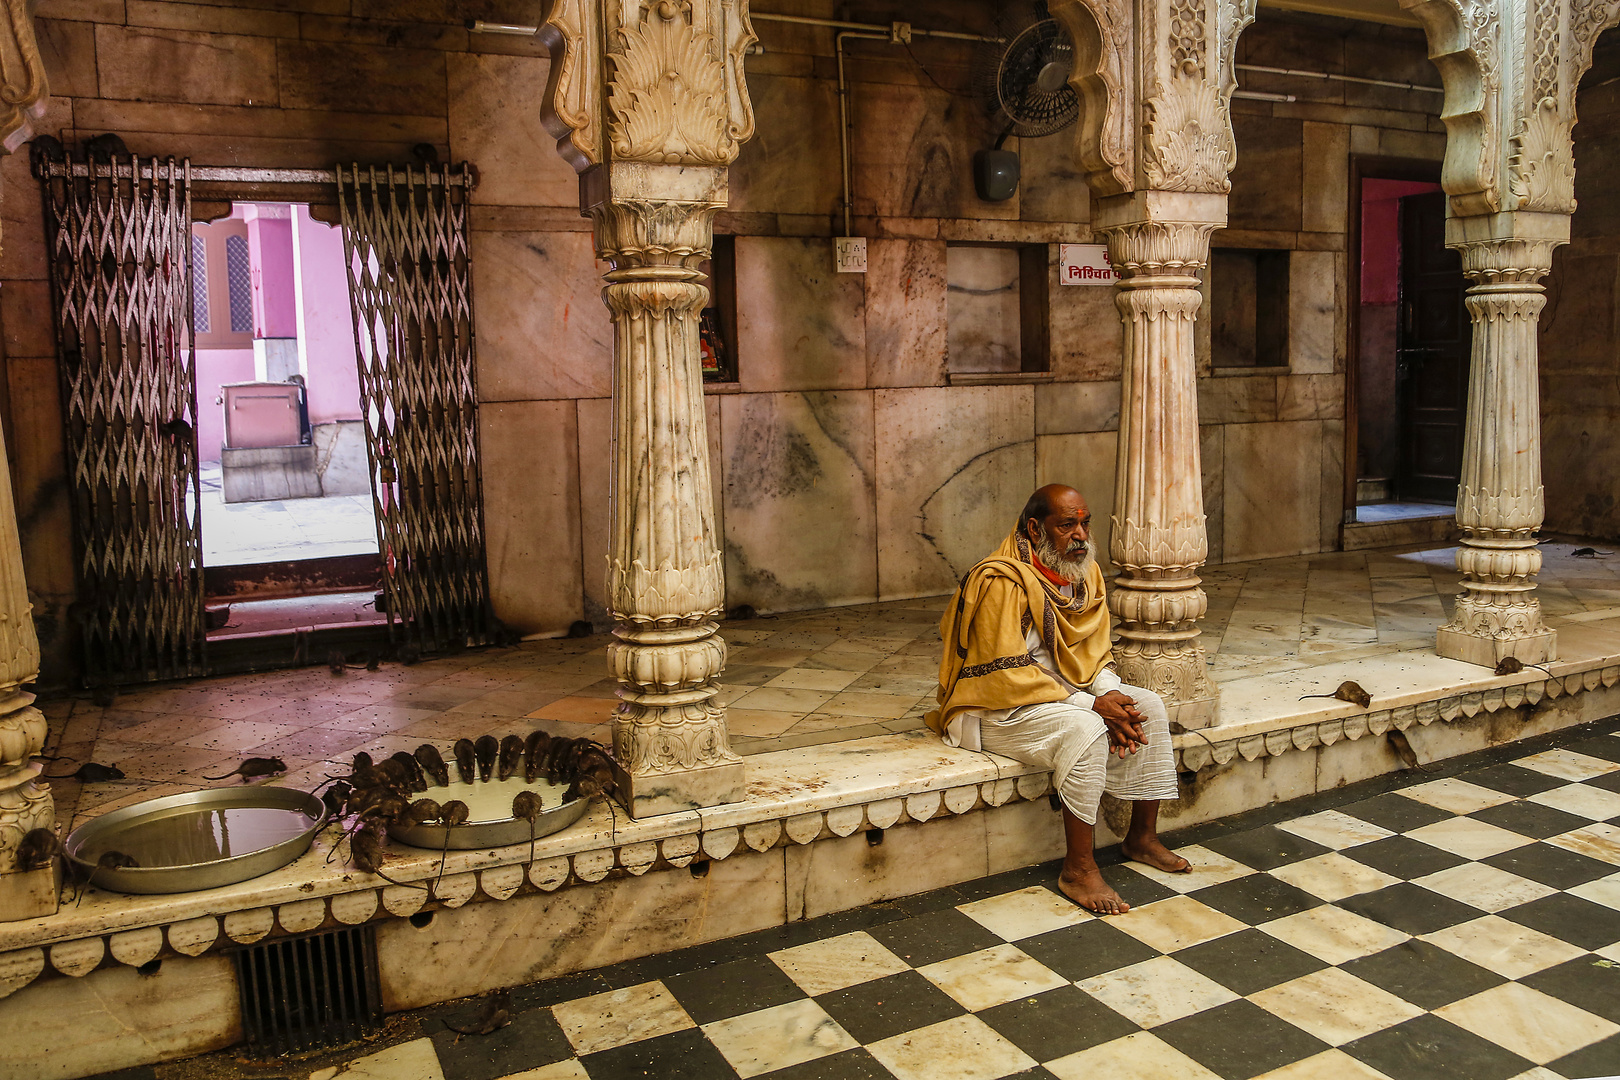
490, 823
199, 839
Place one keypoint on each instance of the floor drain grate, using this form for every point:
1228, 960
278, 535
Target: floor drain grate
310, 992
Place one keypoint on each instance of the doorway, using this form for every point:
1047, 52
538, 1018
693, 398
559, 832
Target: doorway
289, 536
124, 264
1412, 351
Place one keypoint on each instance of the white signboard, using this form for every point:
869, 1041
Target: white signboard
1086, 264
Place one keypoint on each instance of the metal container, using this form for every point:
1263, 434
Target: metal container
490, 823
199, 839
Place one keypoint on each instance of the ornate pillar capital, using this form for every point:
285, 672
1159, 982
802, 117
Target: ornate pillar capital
648, 104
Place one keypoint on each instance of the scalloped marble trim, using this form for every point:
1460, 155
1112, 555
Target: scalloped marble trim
193, 937
1200, 750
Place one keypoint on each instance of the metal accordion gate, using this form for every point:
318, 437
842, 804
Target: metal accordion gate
119, 237
410, 286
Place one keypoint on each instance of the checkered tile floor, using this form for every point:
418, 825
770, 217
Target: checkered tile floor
1462, 926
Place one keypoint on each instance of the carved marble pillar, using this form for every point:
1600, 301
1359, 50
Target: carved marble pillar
25, 801
665, 580
1158, 540
1499, 498
649, 105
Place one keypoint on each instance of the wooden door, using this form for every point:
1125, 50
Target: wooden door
1432, 354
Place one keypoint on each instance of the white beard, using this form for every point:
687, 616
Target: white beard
1072, 567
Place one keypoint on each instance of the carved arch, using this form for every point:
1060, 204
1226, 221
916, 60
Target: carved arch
1462, 37
1588, 19
1105, 140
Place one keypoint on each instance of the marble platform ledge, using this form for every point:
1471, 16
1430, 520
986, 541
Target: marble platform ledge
1264, 716
795, 798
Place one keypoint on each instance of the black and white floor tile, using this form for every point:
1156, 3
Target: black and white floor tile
1466, 926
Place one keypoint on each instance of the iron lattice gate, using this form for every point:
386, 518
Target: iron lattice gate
410, 286
119, 234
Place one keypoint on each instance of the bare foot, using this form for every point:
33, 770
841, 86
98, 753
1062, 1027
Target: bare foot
1152, 852
1091, 892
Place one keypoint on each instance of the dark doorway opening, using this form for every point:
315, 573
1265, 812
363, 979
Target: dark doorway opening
1412, 348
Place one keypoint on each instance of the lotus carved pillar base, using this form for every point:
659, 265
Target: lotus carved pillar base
1499, 498
654, 226
1159, 242
25, 805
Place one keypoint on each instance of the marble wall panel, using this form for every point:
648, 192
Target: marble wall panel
847, 872
531, 491
43, 507
1086, 336
1577, 327
1062, 408
543, 331
911, 153
983, 309
954, 468
905, 312
117, 1018
1333, 494
361, 78
495, 106
1266, 181
1310, 397
610, 921
1086, 462
800, 500
1212, 463
1326, 200
1272, 490
791, 164
1313, 297
22, 219
27, 313
68, 51
1237, 399
1051, 186
176, 65
800, 323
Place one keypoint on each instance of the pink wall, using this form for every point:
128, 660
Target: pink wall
328, 331
215, 367
275, 307
1380, 236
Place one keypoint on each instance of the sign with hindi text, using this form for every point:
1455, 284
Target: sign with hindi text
1085, 264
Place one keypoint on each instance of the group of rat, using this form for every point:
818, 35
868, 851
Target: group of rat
376, 794
379, 794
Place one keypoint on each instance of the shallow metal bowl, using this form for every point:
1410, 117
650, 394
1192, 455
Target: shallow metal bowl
274, 826
490, 823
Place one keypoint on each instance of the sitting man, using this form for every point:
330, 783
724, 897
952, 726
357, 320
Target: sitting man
1025, 674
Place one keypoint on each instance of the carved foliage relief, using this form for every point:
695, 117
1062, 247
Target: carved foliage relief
1187, 127
665, 84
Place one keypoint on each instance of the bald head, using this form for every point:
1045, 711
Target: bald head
1057, 523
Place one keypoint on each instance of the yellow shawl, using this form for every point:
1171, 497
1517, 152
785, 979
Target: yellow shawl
987, 663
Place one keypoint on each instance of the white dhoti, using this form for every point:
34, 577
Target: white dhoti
1069, 738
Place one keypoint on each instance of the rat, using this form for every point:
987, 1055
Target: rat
451, 814
336, 797
535, 752
117, 860
1403, 748
526, 807
91, 772
1590, 553
562, 749
466, 759
511, 757
487, 748
496, 1015
1347, 691
1512, 665
37, 849
423, 810
253, 768
365, 849
432, 762
414, 779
